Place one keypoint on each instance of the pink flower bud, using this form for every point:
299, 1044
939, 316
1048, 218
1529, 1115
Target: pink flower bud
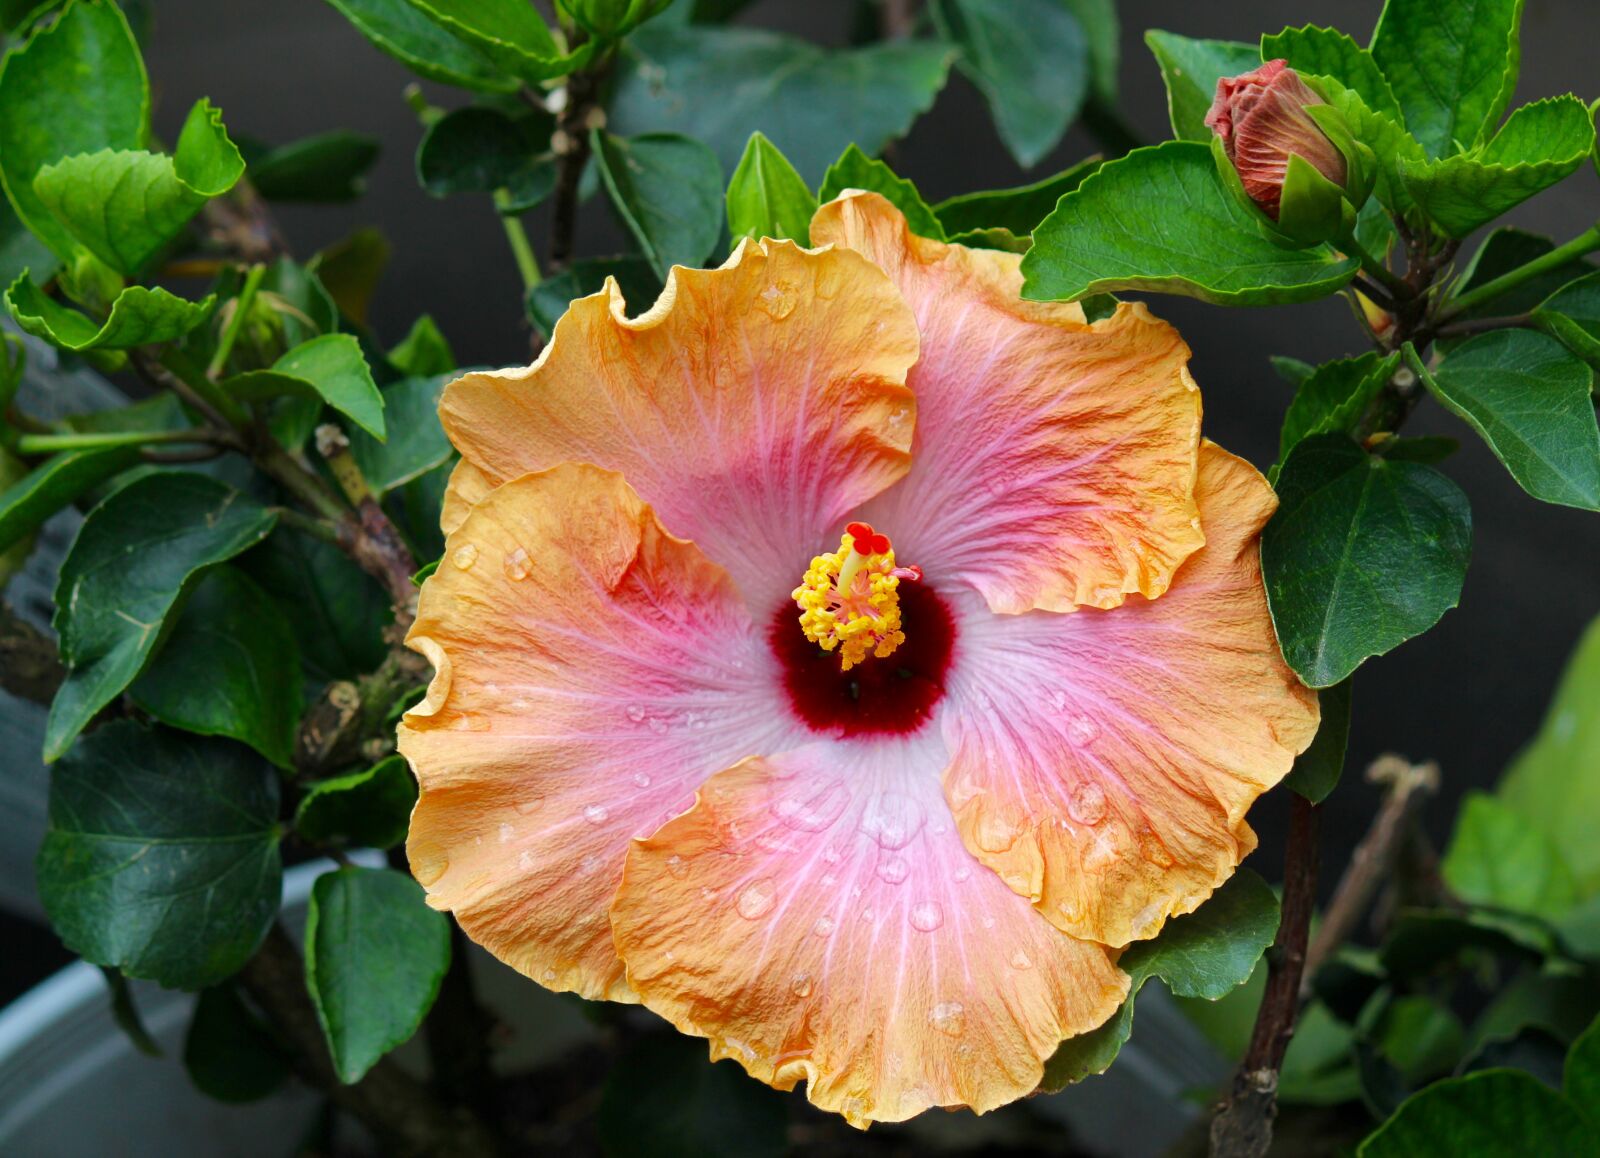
1262, 120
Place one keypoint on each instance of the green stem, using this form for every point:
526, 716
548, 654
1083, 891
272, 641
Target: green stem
51, 443
323, 529
517, 236
1386, 277
241, 308
1586, 242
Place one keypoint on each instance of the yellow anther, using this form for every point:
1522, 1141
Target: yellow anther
849, 600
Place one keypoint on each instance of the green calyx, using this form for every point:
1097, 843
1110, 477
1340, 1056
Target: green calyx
609, 19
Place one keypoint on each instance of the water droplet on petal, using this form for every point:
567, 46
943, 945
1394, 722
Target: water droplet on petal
657, 725
927, 916
988, 922
893, 870
636, 713
823, 927
677, 867
642, 779
589, 865
1087, 804
757, 900
868, 916
517, 564
1153, 850
507, 831
525, 861
465, 556
1082, 731
800, 985
469, 722
529, 804
948, 1017
596, 814
778, 300
963, 873
549, 974
1021, 960
815, 811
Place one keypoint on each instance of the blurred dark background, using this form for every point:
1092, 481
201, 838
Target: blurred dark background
1468, 694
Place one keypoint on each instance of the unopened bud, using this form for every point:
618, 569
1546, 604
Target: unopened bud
1262, 119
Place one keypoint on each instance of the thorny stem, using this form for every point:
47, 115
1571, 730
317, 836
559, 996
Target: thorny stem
1242, 1127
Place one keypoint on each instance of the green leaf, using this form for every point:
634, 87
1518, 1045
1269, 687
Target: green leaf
375, 956
416, 442
331, 368
1554, 784
510, 33
53, 484
1363, 554
1206, 954
1572, 315
1494, 1113
1103, 31
370, 808
349, 271
77, 86
327, 168
1029, 58
664, 1099
1496, 858
766, 197
402, 31
1420, 1037
139, 316
1421, 941
161, 855
1506, 249
1428, 448
1100, 239
131, 565
336, 610
482, 150
229, 667
1019, 209
1559, 1004
1191, 69
855, 170
20, 250
1539, 145
1392, 147
1294, 371
1582, 1079
229, 1052
667, 189
1314, 51
1333, 398
1317, 770
1452, 66
548, 300
1211, 951
1527, 396
126, 206
719, 85
424, 351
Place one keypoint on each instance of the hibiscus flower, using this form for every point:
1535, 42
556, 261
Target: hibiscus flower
845, 658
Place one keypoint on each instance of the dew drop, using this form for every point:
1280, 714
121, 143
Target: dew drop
677, 867
757, 900
525, 861
927, 916
1058, 700
1082, 731
778, 300
963, 873
507, 831
988, 922
815, 811
657, 725
948, 1017
642, 779
868, 916
1021, 960
517, 564
469, 722
465, 556
636, 713
549, 974
1087, 804
823, 927
1153, 850
589, 865
800, 985
893, 870
596, 814
529, 804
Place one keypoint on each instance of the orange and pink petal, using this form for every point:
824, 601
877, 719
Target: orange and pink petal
1104, 762
753, 406
1054, 459
591, 672
816, 916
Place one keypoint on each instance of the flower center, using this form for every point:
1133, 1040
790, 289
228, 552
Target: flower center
849, 600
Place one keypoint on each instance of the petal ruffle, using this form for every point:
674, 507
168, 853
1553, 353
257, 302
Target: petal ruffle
754, 406
1104, 762
1054, 460
591, 672
816, 916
